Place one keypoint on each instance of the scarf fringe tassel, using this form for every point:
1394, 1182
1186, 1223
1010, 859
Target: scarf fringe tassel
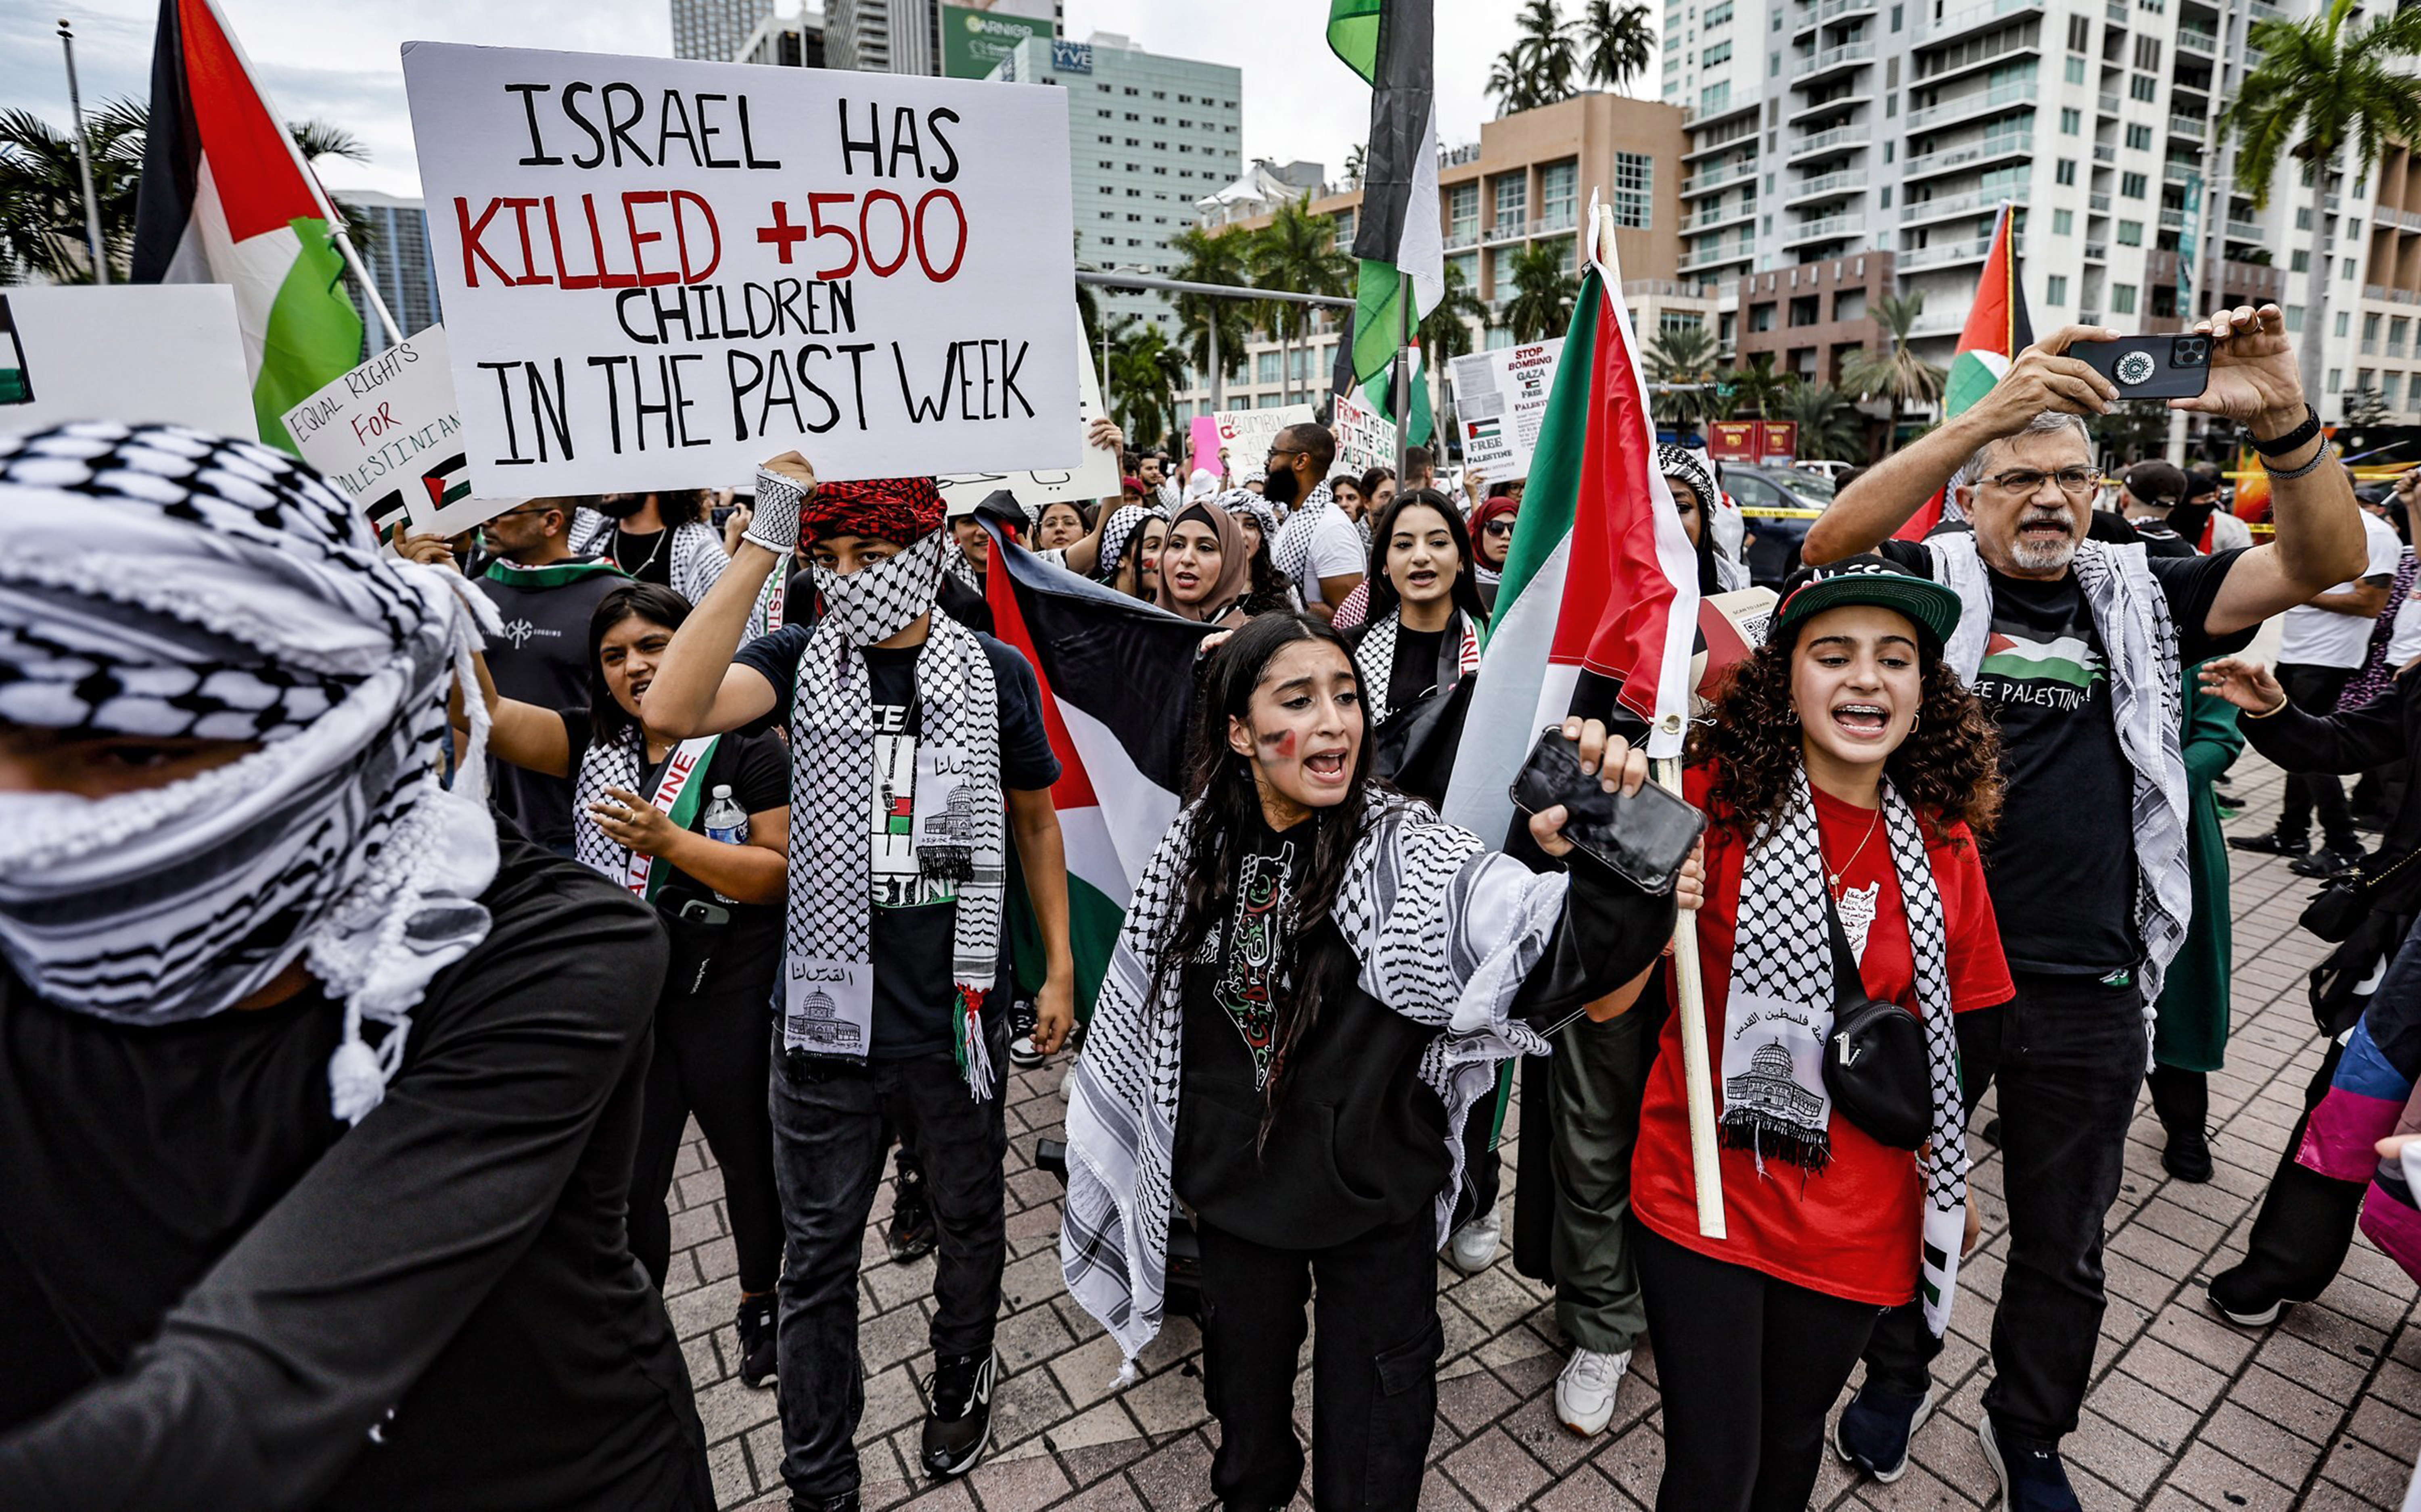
1765, 1136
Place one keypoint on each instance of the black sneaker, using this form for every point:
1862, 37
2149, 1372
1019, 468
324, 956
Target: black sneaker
2326, 862
912, 1235
2233, 1296
756, 1357
1020, 1033
2032, 1477
1873, 1432
2187, 1154
958, 1412
2270, 843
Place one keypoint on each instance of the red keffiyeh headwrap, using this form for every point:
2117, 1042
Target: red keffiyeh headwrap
898, 510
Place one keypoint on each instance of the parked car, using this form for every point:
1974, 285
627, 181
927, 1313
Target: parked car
1773, 543
1829, 470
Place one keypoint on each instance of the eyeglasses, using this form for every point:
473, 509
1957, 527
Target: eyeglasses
2023, 480
1498, 527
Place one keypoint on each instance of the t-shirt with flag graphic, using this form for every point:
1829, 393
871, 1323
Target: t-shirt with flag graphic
2061, 863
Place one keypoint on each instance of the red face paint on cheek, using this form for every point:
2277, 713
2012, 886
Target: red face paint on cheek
1280, 746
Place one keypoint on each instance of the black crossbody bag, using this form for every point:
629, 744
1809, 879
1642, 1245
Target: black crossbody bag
1875, 1069
2343, 902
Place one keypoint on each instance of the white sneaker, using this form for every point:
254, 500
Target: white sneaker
1473, 1246
1585, 1391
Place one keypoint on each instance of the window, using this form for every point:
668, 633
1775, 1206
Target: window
2143, 86
2055, 290
1503, 276
1720, 53
1678, 320
1719, 14
2076, 70
2140, 138
1267, 367
2303, 219
2066, 172
2080, 34
2132, 185
1469, 263
1557, 209
2130, 233
1512, 202
2301, 264
2122, 299
1895, 17
1716, 96
1462, 212
1635, 184
1760, 317
2071, 122
2063, 223
2294, 318
2147, 53
2389, 386
2369, 326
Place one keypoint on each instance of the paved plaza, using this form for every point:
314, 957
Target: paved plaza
2317, 1411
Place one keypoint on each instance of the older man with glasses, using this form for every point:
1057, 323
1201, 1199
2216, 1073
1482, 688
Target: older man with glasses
2076, 647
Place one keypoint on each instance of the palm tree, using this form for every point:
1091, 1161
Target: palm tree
1210, 258
1538, 69
1829, 427
1896, 373
1510, 82
1297, 250
1758, 388
1617, 43
1144, 375
41, 193
1683, 354
1541, 305
1445, 334
1355, 161
2322, 86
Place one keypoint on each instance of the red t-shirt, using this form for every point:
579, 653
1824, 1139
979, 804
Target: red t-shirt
1852, 1232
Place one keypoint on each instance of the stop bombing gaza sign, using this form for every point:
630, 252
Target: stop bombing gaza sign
657, 273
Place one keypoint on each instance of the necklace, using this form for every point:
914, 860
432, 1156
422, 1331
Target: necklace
1833, 874
659, 546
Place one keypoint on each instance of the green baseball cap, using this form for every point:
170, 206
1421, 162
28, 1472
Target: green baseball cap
1871, 580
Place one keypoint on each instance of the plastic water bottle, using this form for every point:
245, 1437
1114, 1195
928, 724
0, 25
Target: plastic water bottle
726, 822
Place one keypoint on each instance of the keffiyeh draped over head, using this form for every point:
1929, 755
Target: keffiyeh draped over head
158, 581
1246, 502
1113, 538
898, 509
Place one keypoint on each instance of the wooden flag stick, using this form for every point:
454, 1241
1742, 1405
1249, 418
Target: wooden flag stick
1698, 1085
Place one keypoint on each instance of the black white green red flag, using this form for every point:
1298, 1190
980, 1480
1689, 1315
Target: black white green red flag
1392, 45
1997, 329
226, 198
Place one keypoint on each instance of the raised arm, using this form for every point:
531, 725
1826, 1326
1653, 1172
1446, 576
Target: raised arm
1082, 556
2043, 378
698, 691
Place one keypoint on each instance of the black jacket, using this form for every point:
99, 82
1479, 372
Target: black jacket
2356, 740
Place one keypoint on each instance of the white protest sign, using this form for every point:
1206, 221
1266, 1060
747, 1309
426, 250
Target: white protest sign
142, 353
1241, 439
388, 435
1094, 477
1500, 398
657, 273
1365, 439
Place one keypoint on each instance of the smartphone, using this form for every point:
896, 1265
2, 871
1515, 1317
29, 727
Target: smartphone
1642, 838
2150, 368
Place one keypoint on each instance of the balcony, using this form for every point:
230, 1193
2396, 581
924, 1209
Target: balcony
1966, 107
2263, 10
1831, 228
1707, 220
2237, 231
1941, 70
1730, 106
1709, 145
2110, 104
2096, 204
1709, 180
2192, 127
2106, 152
1816, 15
2399, 348
1508, 228
2191, 40
1807, 71
2097, 252
1965, 19
1722, 252
2117, 11
2001, 144
2173, 220
2371, 345
1918, 211
2178, 173
1463, 237
1831, 186
1839, 139
2387, 294
1949, 255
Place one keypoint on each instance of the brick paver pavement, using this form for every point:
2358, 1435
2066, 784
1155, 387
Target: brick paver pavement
2321, 1410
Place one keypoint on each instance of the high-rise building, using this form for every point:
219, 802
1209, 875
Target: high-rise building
715, 29
786, 42
392, 236
906, 36
1149, 135
1823, 133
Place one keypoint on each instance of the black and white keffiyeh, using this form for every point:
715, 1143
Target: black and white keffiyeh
158, 581
1291, 550
1113, 538
1374, 659
2131, 615
1444, 931
1779, 1012
953, 808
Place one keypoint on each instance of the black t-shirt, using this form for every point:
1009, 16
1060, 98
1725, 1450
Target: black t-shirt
756, 769
1415, 675
243, 1288
2061, 864
540, 659
645, 556
914, 916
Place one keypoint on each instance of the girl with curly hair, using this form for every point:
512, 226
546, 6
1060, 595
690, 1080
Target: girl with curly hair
1848, 773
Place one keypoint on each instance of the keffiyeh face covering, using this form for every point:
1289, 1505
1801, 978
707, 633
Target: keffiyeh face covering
163, 583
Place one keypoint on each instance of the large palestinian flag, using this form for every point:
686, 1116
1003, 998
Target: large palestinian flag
1997, 329
1392, 45
1601, 577
226, 198
1118, 692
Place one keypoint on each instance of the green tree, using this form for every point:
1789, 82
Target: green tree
2322, 86
1213, 258
1896, 373
1541, 305
1759, 389
1297, 252
1538, 69
1683, 354
1445, 334
1355, 161
1145, 374
2367, 406
1615, 44
1830, 427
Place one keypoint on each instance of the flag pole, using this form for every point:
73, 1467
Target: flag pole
83, 159
1689, 980
361, 276
1400, 400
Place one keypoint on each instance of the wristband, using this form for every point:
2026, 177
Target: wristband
2265, 713
2282, 446
2291, 473
774, 523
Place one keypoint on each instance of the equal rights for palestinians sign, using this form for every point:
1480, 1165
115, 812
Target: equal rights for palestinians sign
657, 273
390, 436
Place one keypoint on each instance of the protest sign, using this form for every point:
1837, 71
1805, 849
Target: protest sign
389, 437
136, 352
1499, 399
657, 273
1365, 439
1236, 441
1094, 477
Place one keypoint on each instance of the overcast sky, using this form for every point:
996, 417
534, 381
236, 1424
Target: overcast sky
338, 60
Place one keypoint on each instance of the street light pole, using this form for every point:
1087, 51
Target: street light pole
83, 161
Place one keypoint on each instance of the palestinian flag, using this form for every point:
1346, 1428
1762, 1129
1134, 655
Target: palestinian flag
226, 198
1997, 329
1600, 578
1118, 693
1391, 44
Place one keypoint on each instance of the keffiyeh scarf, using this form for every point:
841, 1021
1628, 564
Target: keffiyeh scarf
622, 764
160, 582
1291, 552
1374, 660
2130, 614
698, 555
1779, 1012
1113, 538
951, 808
1444, 931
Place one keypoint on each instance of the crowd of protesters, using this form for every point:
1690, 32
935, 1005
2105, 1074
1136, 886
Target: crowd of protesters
375, 922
